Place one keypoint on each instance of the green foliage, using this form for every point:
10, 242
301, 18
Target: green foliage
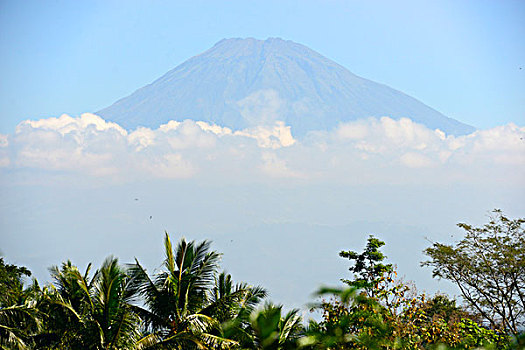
442, 307
359, 317
19, 319
175, 297
84, 312
271, 330
351, 320
426, 323
473, 335
228, 301
488, 266
368, 269
190, 305
187, 301
11, 283
377, 312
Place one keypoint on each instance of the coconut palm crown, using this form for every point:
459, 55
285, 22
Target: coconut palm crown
177, 311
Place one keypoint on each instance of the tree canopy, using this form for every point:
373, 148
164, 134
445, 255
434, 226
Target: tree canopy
189, 303
488, 266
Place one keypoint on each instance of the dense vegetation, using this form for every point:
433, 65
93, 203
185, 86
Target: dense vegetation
190, 304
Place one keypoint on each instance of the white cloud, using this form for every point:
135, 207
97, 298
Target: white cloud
171, 165
386, 135
416, 160
189, 135
353, 131
276, 136
142, 138
171, 125
66, 124
216, 129
364, 151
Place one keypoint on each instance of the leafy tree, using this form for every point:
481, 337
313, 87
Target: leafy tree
351, 320
441, 306
368, 270
377, 312
488, 266
358, 317
376, 279
426, 323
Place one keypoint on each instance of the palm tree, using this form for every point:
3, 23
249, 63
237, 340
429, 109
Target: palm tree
18, 323
19, 318
271, 330
178, 313
90, 313
232, 304
112, 311
227, 300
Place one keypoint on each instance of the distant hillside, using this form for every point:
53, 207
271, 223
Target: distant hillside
243, 82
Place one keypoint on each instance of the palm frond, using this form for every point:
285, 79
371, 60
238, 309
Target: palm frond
200, 323
170, 260
216, 342
141, 282
290, 327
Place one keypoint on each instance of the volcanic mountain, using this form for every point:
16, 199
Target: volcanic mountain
240, 83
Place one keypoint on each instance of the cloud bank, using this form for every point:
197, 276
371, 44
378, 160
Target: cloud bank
369, 151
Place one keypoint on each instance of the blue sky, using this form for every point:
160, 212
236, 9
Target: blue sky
462, 58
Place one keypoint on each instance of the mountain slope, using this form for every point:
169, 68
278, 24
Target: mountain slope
243, 82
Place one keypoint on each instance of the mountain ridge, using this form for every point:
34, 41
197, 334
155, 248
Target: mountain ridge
239, 83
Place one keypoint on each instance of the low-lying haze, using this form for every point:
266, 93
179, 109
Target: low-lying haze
279, 208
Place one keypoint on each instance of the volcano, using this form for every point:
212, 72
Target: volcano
239, 83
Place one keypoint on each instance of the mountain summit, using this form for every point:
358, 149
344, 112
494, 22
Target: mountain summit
240, 83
